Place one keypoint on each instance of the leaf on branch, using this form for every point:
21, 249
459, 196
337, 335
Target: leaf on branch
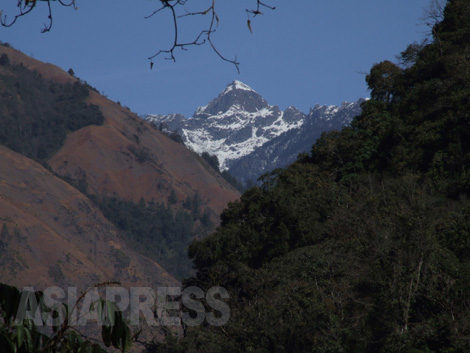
248, 22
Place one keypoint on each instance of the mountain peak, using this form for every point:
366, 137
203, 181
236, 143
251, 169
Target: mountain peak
237, 85
237, 95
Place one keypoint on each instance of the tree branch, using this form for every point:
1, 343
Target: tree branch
205, 32
259, 4
29, 6
26, 6
174, 7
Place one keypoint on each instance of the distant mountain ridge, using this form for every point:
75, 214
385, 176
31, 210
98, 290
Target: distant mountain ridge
248, 135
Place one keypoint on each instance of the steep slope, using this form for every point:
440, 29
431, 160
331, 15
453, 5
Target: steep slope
51, 234
128, 157
126, 166
249, 136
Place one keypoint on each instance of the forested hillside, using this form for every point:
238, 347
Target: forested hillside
364, 244
36, 114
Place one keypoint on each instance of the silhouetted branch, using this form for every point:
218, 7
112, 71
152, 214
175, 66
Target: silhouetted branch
198, 41
26, 6
209, 38
29, 6
205, 34
259, 4
174, 7
48, 26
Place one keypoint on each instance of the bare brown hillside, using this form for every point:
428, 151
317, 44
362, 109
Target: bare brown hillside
129, 157
54, 235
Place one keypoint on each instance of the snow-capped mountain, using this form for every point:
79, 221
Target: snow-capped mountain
250, 136
284, 149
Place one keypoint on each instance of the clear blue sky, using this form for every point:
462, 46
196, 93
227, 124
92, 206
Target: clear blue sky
303, 53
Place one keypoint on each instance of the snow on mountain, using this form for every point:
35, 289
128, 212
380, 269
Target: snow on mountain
248, 135
284, 149
232, 125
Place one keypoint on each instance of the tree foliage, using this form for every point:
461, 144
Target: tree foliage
21, 333
363, 245
36, 115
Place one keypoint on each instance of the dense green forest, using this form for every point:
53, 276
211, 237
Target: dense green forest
364, 244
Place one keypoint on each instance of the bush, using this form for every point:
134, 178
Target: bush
4, 59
